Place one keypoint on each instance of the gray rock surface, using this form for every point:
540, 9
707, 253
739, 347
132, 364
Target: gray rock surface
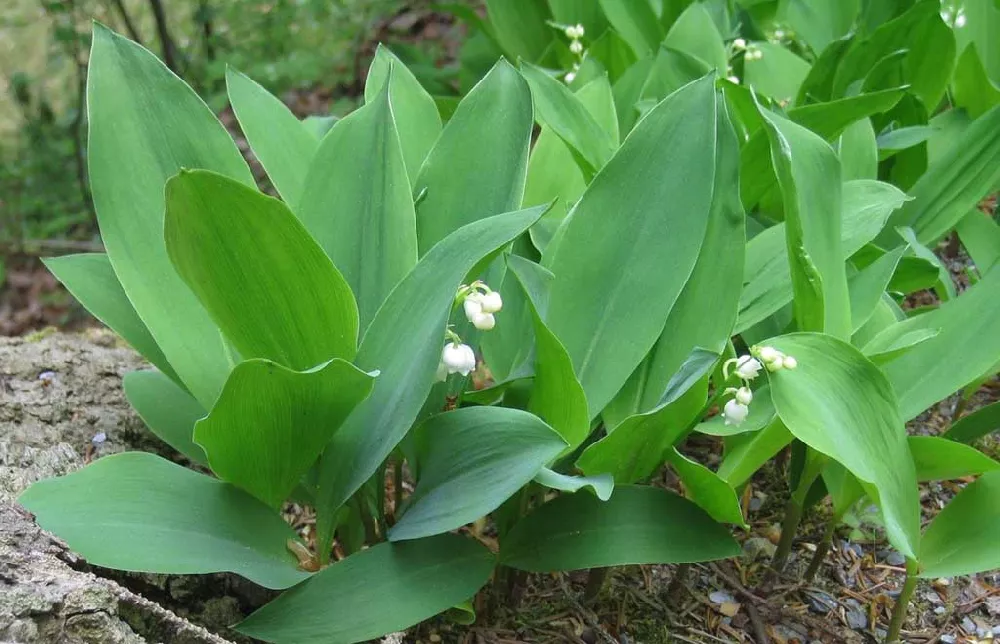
46, 428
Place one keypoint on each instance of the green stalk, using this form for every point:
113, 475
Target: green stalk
793, 517
595, 583
677, 583
822, 549
899, 612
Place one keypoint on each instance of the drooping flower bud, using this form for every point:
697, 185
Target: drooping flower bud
484, 321
491, 302
576, 47
458, 358
747, 367
744, 395
473, 305
735, 412
739, 43
768, 354
788, 362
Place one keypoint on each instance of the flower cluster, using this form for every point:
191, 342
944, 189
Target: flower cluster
575, 34
480, 303
746, 368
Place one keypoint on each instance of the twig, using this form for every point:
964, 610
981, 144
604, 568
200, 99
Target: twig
41, 247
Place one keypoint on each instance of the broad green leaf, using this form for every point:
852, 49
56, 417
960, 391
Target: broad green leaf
939, 459
843, 487
267, 284
270, 423
961, 539
904, 138
636, 23
634, 447
821, 23
858, 151
866, 206
828, 120
746, 453
556, 394
361, 211
672, 69
954, 183
706, 489
967, 345
662, 182
981, 237
931, 52
761, 415
705, 311
945, 287
602, 485
282, 144
628, 90
890, 344
139, 512
566, 115
477, 167
416, 117
976, 425
145, 125
506, 349
318, 126
388, 587
914, 274
585, 12
471, 461
694, 33
778, 73
637, 525
404, 344
521, 27
553, 173
611, 50
867, 286
841, 405
90, 278
168, 411
982, 22
809, 177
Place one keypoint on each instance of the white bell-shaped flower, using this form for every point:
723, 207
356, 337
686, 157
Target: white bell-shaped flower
788, 362
744, 396
735, 412
747, 367
576, 47
768, 354
739, 43
491, 302
458, 358
484, 321
473, 305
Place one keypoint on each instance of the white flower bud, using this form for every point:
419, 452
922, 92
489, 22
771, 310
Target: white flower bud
739, 43
733, 79
960, 19
788, 362
458, 358
735, 412
570, 77
744, 396
768, 354
779, 33
484, 321
473, 305
747, 368
576, 47
491, 302
774, 365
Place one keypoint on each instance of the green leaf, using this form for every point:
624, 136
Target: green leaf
417, 579
145, 125
417, 121
556, 395
954, 183
361, 212
270, 423
705, 311
636, 23
961, 539
976, 425
601, 485
477, 167
866, 206
858, 151
139, 512
168, 411
809, 177
703, 486
945, 287
778, 73
585, 12
828, 120
967, 345
841, 405
931, 52
282, 144
566, 115
821, 23
269, 286
981, 237
867, 286
521, 27
634, 448
843, 487
694, 32
940, 459
90, 278
746, 453
471, 460
404, 343
887, 346
637, 525
601, 305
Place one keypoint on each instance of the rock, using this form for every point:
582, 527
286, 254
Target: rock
759, 548
820, 602
948, 638
720, 597
968, 626
856, 616
895, 559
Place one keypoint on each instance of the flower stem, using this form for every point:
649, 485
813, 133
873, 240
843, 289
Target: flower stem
822, 549
902, 603
595, 583
793, 517
677, 583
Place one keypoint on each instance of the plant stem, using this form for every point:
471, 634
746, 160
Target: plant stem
677, 583
595, 582
822, 549
397, 487
899, 612
793, 517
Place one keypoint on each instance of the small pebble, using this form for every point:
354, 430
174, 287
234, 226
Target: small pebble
895, 559
856, 617
820, 602
720, 597
756, 504
434, 637
968, 626
940, 610
996, 631
932, 597
99, 439
47, 376
948, 639
982, 633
